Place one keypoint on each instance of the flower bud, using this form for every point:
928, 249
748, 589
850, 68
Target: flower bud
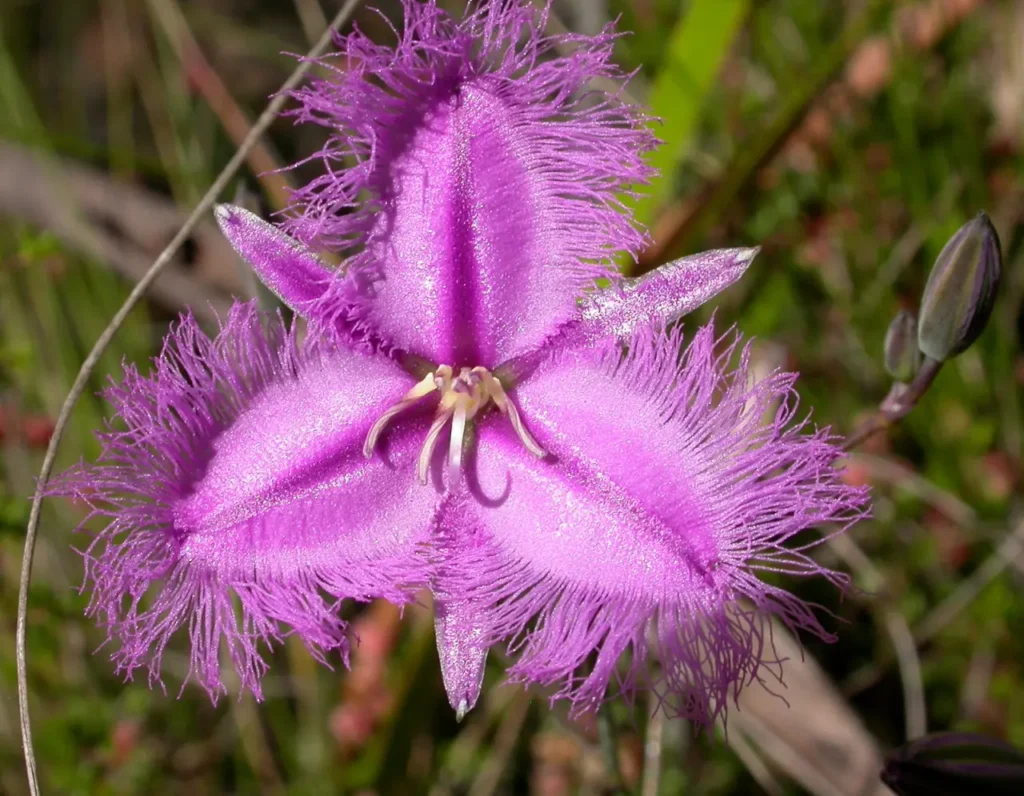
902, 356
961, 290
954, 763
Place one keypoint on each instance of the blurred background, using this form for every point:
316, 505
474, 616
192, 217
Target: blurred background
849, 138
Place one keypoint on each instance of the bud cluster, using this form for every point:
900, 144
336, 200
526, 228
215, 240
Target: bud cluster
955, 308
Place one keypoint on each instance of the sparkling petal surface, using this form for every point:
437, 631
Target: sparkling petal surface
287, 487
663, 494
494, 188
302, 439
471, 261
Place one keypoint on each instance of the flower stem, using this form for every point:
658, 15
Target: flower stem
610, 749
897, 404
654, 742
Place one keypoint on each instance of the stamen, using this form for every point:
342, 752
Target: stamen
455, 443
427, 385
427, 453
462, 398
507, 408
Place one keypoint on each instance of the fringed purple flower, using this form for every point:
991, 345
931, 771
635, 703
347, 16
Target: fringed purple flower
468, 413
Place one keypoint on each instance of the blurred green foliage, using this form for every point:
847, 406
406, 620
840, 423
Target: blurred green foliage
848, 139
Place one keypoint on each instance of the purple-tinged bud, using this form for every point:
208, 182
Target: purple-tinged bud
950, 763
961, 290
902, 356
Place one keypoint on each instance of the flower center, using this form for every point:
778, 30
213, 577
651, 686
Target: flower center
462, 398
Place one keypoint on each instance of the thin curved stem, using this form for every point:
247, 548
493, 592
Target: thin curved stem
897, 404
654, 746
31, 530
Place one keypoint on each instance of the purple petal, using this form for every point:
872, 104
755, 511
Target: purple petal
235, 472
495, 188
666, 489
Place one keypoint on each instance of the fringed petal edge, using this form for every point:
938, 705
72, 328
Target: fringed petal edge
375, 100
766, 479
143, 586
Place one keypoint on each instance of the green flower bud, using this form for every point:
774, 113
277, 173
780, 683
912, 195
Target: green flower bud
952, 764
961, 290
902, 356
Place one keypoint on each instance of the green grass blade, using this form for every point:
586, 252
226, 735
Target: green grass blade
696, 50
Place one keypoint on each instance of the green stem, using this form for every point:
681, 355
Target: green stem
896, 405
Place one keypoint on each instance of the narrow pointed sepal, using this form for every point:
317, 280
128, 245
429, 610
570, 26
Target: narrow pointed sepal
462, 650
654, 300
662, 296
288, 268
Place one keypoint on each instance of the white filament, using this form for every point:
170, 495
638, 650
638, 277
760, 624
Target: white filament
427, 452
455, 443
426, 386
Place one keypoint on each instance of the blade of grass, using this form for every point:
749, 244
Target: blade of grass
697, 48
488, 779
762, 146
36, 299
608, 740
311, 17
19, 120
117, 79
262, 160
381, 765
